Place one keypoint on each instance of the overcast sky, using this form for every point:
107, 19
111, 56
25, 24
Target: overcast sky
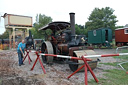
59, 9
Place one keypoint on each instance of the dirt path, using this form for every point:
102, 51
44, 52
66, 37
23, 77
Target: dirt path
56, 74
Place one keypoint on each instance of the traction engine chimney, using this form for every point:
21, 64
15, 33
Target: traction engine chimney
72, 22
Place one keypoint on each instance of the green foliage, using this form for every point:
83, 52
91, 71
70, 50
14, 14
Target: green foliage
41, 20
101, 18
119, 27
80, 30
5, 35
34, 32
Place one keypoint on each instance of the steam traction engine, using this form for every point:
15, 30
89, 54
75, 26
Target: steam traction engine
29, 41
64, 41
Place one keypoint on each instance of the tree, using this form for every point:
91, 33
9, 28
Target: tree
41, 20
101, 18
80, 29
5, 35
119, 27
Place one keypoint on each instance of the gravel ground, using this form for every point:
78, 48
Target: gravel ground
56, 74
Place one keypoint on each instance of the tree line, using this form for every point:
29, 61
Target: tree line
99, 18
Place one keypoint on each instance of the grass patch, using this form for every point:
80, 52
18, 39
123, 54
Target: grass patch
112, 77
125, 66
122, 51
111, 64
122, 57
117, 77
0, 81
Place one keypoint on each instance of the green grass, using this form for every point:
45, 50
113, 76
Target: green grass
125, 66
117, 77
111, 64
125, 58
0, 81
112, 77
122, 57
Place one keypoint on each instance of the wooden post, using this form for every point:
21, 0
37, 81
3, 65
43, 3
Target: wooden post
10, 37
27, 33
13, 37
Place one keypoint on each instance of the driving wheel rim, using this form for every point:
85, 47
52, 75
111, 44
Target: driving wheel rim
47, 48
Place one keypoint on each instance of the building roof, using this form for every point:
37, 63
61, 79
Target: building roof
5, 14
121, 28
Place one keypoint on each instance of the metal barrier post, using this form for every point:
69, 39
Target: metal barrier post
122, 62
85, 67
42, 65
38, 57
34, 63
84, 59
76, 71
85, 72
29, 59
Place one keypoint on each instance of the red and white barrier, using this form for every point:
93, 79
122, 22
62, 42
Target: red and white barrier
88, 56
62, 56
84, 58
27, 55
107, 55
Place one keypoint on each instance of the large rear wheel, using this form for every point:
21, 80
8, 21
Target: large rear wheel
47, 48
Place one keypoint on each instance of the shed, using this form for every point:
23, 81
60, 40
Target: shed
100, 36
121, 36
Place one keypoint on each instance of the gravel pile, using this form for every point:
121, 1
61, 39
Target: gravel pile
10, 75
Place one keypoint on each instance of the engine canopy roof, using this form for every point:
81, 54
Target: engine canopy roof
59, 25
